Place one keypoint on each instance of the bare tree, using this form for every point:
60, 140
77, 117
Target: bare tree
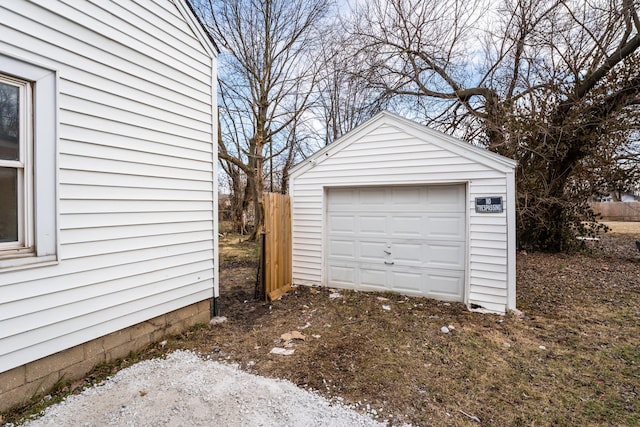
544, 82
345, 99
613, 170
267, 78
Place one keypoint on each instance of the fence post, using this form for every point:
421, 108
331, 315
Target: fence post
277, 245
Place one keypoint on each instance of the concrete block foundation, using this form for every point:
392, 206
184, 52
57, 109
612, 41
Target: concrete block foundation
19, 385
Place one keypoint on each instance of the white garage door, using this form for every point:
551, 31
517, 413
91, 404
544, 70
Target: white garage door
409, 240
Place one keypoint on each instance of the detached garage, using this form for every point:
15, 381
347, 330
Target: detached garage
396, 206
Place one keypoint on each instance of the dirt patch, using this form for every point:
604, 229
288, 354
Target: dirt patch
572, 359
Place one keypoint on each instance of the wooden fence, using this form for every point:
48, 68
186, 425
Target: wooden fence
276, 249
618, 211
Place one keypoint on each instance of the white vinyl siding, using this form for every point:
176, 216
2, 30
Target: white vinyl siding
389, 151
136, 162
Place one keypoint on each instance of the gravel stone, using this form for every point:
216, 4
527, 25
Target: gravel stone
184, 389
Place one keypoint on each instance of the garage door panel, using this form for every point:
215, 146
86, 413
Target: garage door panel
344, 224
342, 249
343, 199
342, 275
372, 251
444, 284
372, 198
407, 226
408, 198
408, 253
373, 278
446, 198
404, 281
445, 255
450, 226
373, 224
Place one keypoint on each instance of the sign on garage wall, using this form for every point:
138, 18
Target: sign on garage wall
491, 204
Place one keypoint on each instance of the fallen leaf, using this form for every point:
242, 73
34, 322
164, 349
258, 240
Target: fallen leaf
293, 335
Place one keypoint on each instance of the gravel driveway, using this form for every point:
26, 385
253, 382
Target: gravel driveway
186, 390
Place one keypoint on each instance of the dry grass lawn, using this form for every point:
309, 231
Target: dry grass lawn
632, 228
572, 359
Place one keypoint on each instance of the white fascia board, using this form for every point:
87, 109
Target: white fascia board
190, 17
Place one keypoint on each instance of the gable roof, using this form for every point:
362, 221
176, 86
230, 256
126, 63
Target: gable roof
415, 129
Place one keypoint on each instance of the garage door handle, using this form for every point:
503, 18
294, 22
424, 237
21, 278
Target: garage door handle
389, 263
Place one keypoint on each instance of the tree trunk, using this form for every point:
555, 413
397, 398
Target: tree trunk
236, 201
284, 185
257, 200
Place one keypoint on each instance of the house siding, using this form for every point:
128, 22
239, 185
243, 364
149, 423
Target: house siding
136, 162
386, 153
20, 384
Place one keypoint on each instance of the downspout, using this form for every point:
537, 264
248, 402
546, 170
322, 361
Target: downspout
214, 310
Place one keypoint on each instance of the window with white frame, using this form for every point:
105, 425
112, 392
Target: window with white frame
15, 165
28, 164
